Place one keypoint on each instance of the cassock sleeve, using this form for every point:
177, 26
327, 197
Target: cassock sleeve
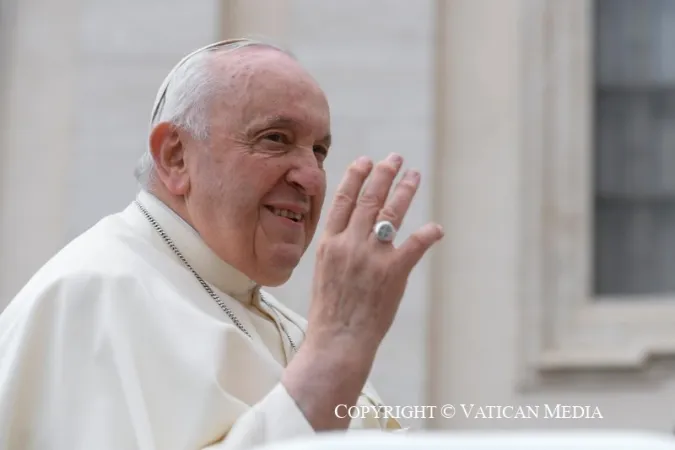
277, 417
92, 361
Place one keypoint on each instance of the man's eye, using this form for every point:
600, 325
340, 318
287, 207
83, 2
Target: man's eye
276, 137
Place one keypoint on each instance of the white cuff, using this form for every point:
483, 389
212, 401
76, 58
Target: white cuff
274, 419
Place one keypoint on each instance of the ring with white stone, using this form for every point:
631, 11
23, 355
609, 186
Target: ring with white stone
384, 231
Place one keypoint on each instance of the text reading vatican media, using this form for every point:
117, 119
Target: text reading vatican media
472, 411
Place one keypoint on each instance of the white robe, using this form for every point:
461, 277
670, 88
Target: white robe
114, 344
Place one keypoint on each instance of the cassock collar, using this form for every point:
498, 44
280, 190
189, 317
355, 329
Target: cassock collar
203, 260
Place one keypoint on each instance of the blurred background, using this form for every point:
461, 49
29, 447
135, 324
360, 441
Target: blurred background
544, 130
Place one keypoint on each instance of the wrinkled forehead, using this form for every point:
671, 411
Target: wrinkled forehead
265, 83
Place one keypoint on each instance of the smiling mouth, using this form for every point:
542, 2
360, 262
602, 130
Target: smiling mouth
295, 217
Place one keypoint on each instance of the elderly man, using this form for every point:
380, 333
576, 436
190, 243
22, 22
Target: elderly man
150, 330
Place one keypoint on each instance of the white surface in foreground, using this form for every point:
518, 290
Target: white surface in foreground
496, 440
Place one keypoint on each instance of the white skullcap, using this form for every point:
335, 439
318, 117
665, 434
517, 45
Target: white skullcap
161, 94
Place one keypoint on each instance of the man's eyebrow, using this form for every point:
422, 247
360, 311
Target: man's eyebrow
275, 121
284, 122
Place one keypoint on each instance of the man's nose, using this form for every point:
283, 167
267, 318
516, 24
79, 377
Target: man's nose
307, 174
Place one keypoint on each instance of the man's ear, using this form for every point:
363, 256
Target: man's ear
168, 152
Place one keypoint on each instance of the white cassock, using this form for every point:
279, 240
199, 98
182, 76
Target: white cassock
115, 344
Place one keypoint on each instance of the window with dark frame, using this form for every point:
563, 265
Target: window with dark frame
634, 148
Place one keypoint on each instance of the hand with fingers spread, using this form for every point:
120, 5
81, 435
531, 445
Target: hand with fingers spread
360, 279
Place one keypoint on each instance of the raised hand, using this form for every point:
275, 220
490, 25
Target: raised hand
359, 279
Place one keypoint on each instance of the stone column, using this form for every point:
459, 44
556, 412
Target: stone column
81, 79
475, 270
36, 135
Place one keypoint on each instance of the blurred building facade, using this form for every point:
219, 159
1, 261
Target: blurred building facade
542, 129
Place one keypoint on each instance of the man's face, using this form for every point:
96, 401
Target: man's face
257, 185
